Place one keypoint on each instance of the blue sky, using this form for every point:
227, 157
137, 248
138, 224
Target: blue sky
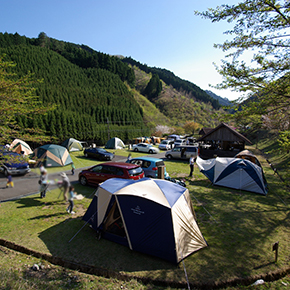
160, 33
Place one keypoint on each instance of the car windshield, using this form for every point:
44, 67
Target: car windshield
135, 171
159, 163
164, 142
102, 150
191, 149
13, 158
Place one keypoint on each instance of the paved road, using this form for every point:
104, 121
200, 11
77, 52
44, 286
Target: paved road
28, 184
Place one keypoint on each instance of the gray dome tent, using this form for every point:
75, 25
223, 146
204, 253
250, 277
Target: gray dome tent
115, 143
72, 144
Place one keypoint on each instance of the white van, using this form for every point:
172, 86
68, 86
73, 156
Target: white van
179, 142
182, 152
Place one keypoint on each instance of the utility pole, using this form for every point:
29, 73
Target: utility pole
108, 129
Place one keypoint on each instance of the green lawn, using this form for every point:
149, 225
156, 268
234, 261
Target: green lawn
240, 228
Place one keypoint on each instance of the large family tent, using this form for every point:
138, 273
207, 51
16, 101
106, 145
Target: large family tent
20, 146
115, 143
152, 216
235, 173
52, 155
72, 145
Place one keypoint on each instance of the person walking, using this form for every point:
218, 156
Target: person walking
129, 157
9, 181
65, 185
73, 169
43, 182
191, 165
71, 198
41, 168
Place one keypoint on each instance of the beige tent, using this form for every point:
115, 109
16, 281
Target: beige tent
248, 155
20, 146
152, 216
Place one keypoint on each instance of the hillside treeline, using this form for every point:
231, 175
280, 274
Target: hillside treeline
179, 84
93, 103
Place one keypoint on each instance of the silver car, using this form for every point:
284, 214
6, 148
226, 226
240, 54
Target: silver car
166, 144
182, 152
145, 147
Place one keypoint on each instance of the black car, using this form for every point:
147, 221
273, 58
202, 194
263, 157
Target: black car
98, 153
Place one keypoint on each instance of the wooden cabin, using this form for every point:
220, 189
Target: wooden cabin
222, 141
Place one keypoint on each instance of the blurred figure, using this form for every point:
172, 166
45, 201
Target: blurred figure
191, 164
73, 169
71, 198
43, 182
65, 185
9, 181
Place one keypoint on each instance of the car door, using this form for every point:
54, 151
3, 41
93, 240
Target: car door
107, 172
94, 176
143, 147
176, 152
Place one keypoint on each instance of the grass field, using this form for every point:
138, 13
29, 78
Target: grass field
240, 228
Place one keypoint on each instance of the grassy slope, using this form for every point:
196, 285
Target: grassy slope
240, 228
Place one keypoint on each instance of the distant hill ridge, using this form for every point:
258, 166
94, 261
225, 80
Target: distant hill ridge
222, 101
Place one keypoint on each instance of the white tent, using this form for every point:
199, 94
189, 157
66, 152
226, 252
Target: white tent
20, 146
115, 143
72, 145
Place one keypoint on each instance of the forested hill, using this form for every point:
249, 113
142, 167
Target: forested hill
93, 101
95, 92
177, 83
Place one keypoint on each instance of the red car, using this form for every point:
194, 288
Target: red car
101, 172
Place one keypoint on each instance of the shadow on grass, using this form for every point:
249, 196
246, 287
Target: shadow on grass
237, 225
71, 239
36, 201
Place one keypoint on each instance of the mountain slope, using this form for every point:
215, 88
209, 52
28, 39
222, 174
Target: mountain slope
88, 99
178, 106
222, 101
94, 90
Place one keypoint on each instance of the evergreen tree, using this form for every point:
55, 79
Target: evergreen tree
154, 87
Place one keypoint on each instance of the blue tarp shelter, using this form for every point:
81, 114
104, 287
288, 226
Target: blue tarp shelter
152, 216
234, 173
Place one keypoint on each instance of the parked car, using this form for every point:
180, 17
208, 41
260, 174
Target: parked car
179, 142
149, 165
101, 172
182, 152
144, 147
166, 144
98, 153
13, 163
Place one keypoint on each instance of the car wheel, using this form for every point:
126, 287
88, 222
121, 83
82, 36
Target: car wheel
150, 151
5, 172
86, 154
83, 180
169, 156
136, 149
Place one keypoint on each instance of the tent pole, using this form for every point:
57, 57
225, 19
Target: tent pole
188, 285
204, 208
85, 224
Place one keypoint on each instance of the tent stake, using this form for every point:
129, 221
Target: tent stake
275, 248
